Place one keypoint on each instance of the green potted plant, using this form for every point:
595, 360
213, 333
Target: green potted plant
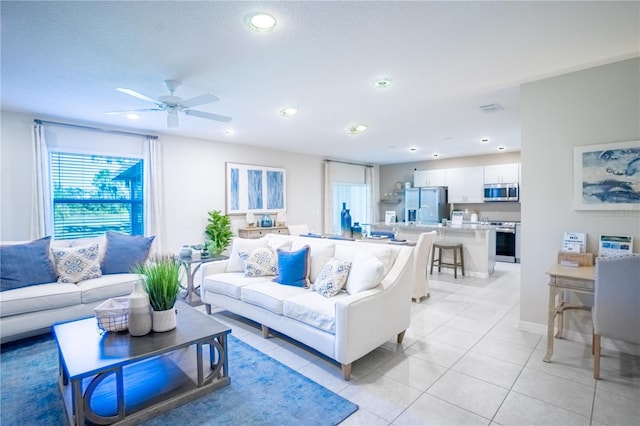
161, 281
218, 232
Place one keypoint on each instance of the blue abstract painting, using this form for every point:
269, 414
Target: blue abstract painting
275, 187
608, 176
256, 189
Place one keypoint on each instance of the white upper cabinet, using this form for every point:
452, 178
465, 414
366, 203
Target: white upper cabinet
428, 178
465, 185
502, 173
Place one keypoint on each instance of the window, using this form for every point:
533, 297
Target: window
357, 197
96, 193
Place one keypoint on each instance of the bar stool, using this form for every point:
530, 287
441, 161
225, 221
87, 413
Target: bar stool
441, 246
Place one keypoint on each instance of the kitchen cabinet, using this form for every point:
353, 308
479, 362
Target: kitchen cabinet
465, 184
502, 173
428, 178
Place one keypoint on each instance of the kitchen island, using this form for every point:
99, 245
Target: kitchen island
478, 243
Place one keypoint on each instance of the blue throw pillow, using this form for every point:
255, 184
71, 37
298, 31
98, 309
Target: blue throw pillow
22, 265
124, 251
293, 267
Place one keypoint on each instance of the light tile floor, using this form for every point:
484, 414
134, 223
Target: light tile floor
464, 362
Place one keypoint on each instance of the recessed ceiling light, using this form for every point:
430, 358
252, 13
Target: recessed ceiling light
382, 82
229, 132
132, 116
261, 22
484, 140
413, 149
435, 155
501, 148
288, 112
357, 129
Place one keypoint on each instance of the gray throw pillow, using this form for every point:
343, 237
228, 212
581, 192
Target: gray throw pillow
124, 251
26, 264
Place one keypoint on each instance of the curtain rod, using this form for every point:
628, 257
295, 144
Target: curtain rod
347, 162
94, 129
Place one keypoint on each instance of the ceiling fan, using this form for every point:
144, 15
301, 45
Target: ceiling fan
173, 104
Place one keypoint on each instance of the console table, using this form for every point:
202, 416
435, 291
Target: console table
577, 279
259, 232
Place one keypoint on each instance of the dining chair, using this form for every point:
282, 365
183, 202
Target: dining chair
616, 302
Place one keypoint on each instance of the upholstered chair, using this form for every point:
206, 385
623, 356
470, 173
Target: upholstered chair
616, 304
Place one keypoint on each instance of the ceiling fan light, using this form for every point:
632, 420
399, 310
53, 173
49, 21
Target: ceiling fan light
261, 22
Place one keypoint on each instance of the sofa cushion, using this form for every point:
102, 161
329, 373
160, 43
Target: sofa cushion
259, 262
321, 252
39, 298
238, 245
229, 283
385, 254
26, 264
366, 272
124, 251
293, 267
332, 277
270, 295
100, 241
77, 263
313, 309
107, 286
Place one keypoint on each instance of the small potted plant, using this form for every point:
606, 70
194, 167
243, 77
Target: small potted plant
161, 281
218, 232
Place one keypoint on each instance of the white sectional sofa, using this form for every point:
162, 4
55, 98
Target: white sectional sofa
31, 310
344, 327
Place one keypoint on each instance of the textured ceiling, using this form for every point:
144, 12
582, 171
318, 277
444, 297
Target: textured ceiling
65, 60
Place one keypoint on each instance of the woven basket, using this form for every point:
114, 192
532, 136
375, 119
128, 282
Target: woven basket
112, 314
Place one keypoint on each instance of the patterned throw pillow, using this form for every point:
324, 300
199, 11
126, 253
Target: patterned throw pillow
76, 264
259, 262
332, 277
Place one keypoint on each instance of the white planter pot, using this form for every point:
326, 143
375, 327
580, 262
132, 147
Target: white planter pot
164, 320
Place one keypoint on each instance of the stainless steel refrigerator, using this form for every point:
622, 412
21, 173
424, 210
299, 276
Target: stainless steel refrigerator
427, 205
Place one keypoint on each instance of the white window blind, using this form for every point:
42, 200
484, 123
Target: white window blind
96, 193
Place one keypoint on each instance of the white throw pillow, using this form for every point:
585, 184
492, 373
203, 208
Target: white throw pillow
321, 253
76, 264
260, 262
235, 263
366, 272
332, 277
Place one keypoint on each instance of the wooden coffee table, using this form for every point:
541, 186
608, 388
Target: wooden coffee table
108, 378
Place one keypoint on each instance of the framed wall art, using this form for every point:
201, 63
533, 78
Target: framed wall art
607, 176
255, 189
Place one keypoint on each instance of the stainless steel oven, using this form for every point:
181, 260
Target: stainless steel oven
507, 244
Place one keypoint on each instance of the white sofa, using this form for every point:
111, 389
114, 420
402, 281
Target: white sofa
344, 327
32, 310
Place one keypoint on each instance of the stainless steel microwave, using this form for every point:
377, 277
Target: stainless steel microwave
501, 192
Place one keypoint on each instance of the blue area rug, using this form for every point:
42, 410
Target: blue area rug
262, 392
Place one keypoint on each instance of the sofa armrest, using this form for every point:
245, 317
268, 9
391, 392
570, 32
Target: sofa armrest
216, 267
373, 317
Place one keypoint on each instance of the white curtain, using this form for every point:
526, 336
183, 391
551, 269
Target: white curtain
152, 192
41, 213
371, 181
328, 197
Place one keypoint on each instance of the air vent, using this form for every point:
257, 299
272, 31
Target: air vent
490, 108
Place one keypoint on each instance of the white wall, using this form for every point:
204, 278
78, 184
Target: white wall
594, 106
193, 181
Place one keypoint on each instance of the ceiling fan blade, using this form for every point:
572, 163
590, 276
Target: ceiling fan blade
208, 115
172, 119
135, 94
200, 100
127, 111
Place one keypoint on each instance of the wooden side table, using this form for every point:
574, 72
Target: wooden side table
259, 232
